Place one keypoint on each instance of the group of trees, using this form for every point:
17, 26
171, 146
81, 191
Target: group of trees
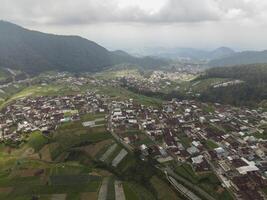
251, 92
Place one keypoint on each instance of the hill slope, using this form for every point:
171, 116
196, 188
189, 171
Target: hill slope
34, 52
242, 58
250, 92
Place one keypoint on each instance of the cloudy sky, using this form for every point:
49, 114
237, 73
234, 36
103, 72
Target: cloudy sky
129, 24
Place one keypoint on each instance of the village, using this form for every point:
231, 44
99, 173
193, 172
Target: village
46, 113
209, 137
220, 140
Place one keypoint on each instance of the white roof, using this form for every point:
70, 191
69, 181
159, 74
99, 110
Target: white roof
245, 169
197, 159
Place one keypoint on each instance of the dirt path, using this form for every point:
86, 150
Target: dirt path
119, 192
102, 195
58, 196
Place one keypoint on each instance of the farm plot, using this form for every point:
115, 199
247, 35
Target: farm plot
73, 179
89, 196
110, 150
119, 157
93, 149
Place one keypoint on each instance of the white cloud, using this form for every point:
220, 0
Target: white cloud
161, 11
118, 23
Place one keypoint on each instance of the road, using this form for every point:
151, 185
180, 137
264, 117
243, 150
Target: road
217, 173
181, 189
102, 195
188, 184
119, 192
117, 138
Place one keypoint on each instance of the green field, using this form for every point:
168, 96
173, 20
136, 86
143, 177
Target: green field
37, 140
207, 181
164, 192
204, 84
134, 191
210, 144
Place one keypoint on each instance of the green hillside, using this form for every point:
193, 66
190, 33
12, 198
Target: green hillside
251, 91
35, 52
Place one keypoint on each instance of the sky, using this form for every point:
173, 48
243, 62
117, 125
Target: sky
138, 24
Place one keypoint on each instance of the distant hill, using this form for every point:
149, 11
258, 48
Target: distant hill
221, 53
242, 58
188, 53
35, 52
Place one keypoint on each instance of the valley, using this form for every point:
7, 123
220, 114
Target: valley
130, 133
79, 121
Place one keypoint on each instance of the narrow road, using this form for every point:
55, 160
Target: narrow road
117, 138
119, 192
189, 184
183, 190
102, 194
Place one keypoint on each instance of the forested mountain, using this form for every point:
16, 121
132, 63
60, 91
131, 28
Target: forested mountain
34, 52
241, 58
251, 92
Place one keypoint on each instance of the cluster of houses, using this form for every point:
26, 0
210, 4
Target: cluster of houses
45, 113
210, 137
218, 138
157, 81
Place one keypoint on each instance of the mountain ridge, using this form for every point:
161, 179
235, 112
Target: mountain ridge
187, 53
241, 58
35, 52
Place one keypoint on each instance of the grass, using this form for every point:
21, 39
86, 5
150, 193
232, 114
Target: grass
123, 94
126, 163
186, 141
262, 135
208, 109
129, 193
73, 134
24, 187
135, 191
29, 189
163, 190
208, 181
37, 140
39, 90
144, 140
91, 116
111, 189
210, 144
111, 74
204, 84
186, 171
68, 168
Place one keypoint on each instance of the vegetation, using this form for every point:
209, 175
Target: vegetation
164, 192
74, 54
210, 144
251, 92
207, 181
242, 58
37, 140
134, 191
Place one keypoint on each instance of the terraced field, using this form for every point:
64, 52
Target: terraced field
65, 165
